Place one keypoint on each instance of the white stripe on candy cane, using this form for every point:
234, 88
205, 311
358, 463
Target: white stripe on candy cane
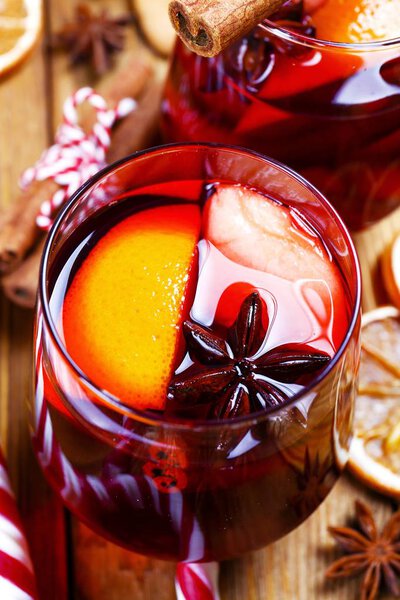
17, 580
9, 591
12, 542
4, 483
195, 581
75, 156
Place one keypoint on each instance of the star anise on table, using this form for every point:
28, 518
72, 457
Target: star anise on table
92, 37
234, 376
374, 554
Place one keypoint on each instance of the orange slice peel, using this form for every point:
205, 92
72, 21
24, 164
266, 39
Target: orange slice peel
20, 26
375, 449
123, 310
390, 264
357, 21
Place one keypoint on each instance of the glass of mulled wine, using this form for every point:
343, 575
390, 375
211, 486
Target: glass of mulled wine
329, 109
197, 345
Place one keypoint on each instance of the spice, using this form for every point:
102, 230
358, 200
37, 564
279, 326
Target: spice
225, 373
369, 552
313, 484
19, 234
209, 26
92, 37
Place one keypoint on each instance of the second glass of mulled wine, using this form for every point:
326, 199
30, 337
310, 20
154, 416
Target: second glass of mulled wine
197, 348
316, 89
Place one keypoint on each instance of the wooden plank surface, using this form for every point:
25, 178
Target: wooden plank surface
292, 569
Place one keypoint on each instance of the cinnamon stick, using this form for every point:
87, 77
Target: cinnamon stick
209, 26
136, 132
18, 230
21, 285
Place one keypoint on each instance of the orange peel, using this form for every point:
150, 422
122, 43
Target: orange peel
390, 264
20, 26
375, 449
122, 312
357, 21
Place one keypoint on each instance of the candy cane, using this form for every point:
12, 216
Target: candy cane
194, 581
197, 581
75, 156
17, 579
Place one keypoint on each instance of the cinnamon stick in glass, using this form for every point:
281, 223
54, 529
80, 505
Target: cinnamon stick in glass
209, 26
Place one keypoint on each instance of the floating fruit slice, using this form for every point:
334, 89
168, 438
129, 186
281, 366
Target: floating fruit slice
357, 21
122, 312
20, 23
375, 450
391, 271
260, 234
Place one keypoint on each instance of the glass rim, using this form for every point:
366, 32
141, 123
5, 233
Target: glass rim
316, 43
111, 401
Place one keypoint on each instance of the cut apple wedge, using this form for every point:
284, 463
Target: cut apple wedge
264, 236
122, 312
260, 234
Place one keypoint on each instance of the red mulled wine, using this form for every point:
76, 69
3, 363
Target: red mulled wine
194, 399
330, 109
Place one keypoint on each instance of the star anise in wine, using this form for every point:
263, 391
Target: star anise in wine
250, 61
92, 37
235, 376
376, 555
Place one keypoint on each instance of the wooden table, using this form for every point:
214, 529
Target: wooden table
71, 561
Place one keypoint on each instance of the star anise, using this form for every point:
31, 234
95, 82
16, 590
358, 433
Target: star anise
234, 376
251, 60
313, 484
92, 37
377, 555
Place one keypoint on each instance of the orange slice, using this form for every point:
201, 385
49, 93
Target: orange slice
375, 450
391, 271
20, 24
357, 21
122, 312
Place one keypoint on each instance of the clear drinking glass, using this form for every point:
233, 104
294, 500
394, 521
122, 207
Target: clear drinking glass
329, 110
176, 489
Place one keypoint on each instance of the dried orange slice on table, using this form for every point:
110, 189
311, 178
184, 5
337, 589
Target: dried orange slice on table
375, 450
391, 270
20, 25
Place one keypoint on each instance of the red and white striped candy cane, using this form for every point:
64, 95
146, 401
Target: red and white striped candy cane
197, 581
17, 579
194, 581
76, 155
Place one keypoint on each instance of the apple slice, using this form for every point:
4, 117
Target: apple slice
261, 234
122, 312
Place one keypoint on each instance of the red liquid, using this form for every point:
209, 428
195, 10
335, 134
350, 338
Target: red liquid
172, 493
331, 115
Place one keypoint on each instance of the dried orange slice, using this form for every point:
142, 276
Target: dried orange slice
20, 24
375, 450
391, 271
357, 21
